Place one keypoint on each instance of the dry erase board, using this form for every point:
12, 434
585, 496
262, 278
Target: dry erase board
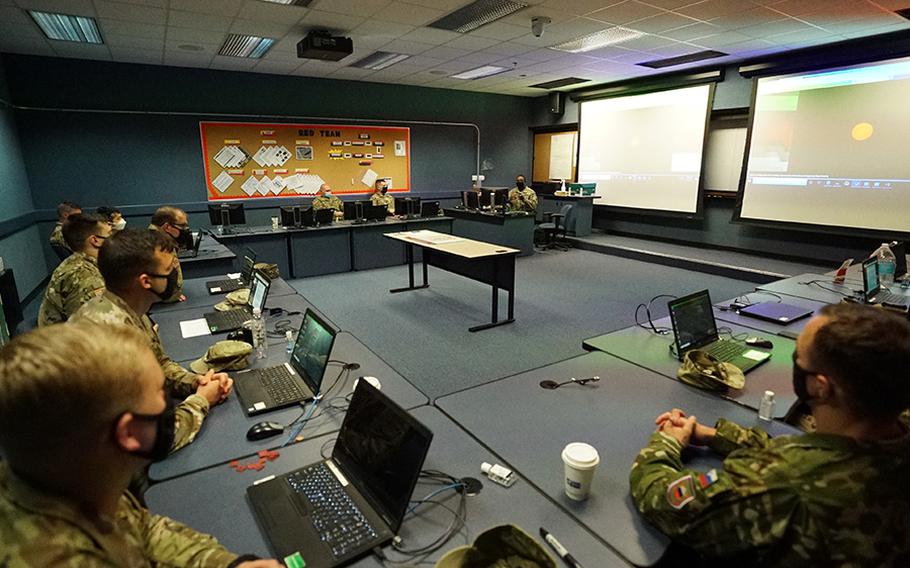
253, 161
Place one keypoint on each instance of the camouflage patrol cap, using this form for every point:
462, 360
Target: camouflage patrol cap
271, 271
702, 370
504, 546
223, 356
239, 297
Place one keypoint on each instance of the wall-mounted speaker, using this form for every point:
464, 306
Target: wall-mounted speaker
557, 102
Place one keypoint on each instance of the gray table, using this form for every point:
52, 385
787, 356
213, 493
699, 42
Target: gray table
513, 231
180, 349
818, 287
790, 330
197, 295
579, 221
615, 415
223, 436
214, 500
643, 348
213, 259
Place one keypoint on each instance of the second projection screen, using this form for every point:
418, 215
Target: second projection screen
645, 151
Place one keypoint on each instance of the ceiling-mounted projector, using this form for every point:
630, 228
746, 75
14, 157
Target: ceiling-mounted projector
323, 45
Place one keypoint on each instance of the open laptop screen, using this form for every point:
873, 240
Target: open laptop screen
249, 261
870, 278
693, 321
382, 448
312, 350
259, 288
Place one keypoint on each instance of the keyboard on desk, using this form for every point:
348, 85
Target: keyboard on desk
885, 297
281, 386
225, 286
227, 321
726, 350
338, 521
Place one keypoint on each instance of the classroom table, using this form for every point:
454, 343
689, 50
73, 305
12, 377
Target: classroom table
528, 426
214, 500
645, 349
197, 295
213, 259
723, 313
484, 262
818, 287
223, 435
513, 230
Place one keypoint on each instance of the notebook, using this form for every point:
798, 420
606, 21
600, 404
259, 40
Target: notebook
873, 292
331, 513
694, 327
298, 380
223, 322
230, 284
776, 312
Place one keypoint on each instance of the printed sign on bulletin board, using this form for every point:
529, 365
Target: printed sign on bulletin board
249, 161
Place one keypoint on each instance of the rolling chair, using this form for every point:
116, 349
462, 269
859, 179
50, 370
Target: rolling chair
555, 224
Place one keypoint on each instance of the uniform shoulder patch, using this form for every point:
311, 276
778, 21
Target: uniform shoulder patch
707, 478
681, 492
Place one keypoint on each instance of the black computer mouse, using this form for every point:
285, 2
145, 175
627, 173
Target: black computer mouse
263, 430
759, 342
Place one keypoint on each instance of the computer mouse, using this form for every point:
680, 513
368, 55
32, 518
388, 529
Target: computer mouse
759, 342
263, 430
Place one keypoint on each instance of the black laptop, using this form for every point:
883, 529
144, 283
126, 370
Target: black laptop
694, 327
873, 292
333, 512
223, 322
298, 380
230, 284
193, 251
776, 312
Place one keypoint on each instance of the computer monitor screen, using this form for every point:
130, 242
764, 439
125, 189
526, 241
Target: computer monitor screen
870, 277
470, 199
312, 349
227, 214
323, 216
429, 209
354, 210
693, 321
375, 212
290, 215
259, 289
407, 206
494, 197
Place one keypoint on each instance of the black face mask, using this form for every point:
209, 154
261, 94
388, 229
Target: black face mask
520, 184
171, 284
164, 436
384, 190
800, 375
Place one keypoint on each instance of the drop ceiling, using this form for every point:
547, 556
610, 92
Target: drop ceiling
188, 33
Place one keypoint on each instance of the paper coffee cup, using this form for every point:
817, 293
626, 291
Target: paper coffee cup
580, 461
274, 222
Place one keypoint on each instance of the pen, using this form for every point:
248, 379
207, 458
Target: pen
560, 550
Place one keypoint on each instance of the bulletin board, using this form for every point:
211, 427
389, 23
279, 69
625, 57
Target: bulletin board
256, 161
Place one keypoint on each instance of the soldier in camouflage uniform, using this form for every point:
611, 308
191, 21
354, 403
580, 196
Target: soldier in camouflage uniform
522, 197
81, 410
834, 497
325, 200
64, 210
134, 263
77, 279
381, 196
174, 223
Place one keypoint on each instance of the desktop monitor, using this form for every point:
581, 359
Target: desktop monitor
429, 209
323, 216
354, 210
290, 215
470, 199
409, 206
226, 214
375, 212
494, 197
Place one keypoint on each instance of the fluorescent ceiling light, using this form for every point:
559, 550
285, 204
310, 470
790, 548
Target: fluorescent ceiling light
476, 14
380, 60
303, 3
240, 45
484, 71
597, 40
67, 28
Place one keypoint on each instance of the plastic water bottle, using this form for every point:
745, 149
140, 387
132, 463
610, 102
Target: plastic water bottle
766, 406
289, 336
259, 333
562, 186
886, 264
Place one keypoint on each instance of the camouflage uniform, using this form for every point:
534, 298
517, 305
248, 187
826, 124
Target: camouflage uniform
110, 309
39, 529
387, 200
808, 500
327, 202
179, 290
529, 203
56, 238
75, 281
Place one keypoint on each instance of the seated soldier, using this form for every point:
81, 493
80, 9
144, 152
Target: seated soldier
113, 216
64, 210
325, 200
834, 497
174, 223
77, 279
82, 408
381, 196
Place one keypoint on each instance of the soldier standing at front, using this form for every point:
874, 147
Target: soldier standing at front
522, 197
834, 497
381, 196
325, 200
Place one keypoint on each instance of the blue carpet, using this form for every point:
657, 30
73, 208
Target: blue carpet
561, 299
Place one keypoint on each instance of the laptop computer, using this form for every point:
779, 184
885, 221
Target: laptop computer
694, 327
298, 380
223, 322
226, 285
333, 512
193, 251
873, 293
776, 312
899, 248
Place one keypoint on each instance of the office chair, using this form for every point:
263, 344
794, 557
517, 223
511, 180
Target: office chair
556, 223
61, 252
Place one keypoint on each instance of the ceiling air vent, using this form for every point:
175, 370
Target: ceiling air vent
559, 83
477, 14
682, 59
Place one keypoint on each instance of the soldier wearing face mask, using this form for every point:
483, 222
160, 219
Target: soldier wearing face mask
381, 196
173, 222
522, 197
139, 268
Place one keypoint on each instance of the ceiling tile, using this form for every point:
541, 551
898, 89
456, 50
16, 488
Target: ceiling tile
199, 21
127, 55
709, 9
152, 3
73, 7
508, 48
130, 12
799, 7
500, 31
445, 53
276, 67
130, 28
661, 23
187, 35
225, 7
424, 61
748, 18
431, 35
471, 43
233, 63
480, 58
27, 32
134, 42
579, 7
720, 40
260, 11
17, 44
674, 4
523, 17
194, 47
339, 23
564, 31
362, 8
273, 30
789, 25
350, 73
81, 50
187, 60
625, 12
693, 31
402, 13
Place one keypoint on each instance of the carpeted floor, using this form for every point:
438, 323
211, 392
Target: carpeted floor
561, 299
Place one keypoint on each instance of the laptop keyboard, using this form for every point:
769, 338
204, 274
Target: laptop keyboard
226, 285
726, 350
281, 385
335, 516
884, 297
231, 319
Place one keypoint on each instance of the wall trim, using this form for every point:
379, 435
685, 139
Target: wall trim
19, 223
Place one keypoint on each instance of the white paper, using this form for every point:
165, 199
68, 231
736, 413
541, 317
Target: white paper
259, 156
756, 355
194, 328
561, 155
279, 182
433, 237
273, 186
224, 157
234, 275
400, 148
265, 185
240, 157
223, 181
369, 177
305, 184
250, 186
283, 155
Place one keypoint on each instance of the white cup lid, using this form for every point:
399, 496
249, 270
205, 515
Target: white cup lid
581, 454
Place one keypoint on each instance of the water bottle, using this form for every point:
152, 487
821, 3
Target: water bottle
886, 264
289, 336
766, 406
259, 333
